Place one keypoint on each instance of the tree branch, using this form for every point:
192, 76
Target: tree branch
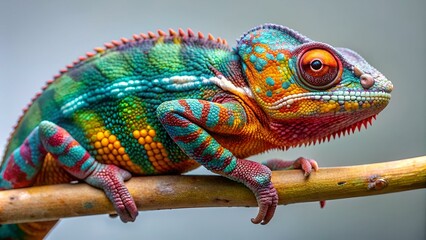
44, 203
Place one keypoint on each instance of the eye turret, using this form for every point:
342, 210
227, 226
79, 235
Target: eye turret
319, 69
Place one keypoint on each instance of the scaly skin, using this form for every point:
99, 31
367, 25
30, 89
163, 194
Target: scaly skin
161, 104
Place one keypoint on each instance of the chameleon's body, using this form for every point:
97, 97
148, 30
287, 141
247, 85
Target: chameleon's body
161, 104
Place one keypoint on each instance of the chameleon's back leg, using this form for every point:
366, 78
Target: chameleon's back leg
24, 165
45, 170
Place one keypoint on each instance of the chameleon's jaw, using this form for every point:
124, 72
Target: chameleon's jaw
312, 130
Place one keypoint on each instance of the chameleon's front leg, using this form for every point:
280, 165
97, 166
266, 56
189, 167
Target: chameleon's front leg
190, 124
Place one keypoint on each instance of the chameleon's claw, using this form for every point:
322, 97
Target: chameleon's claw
306, 165
111, 179
267, 199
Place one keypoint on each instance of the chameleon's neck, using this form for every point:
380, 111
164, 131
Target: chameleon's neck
229, 66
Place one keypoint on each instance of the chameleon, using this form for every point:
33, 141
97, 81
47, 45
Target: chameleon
166, 103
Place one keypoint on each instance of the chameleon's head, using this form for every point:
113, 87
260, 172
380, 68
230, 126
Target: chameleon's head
292, 78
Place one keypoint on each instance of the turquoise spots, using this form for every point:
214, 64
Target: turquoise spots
259, 49
260, 39
262, 179
270, 81
270, 56
285, 84
259, 63
246, 48
280, 56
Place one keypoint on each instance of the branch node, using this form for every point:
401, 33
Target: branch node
377, 183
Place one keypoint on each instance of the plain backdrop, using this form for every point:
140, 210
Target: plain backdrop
37, 38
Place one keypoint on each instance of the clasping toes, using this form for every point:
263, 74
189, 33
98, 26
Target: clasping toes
267, 199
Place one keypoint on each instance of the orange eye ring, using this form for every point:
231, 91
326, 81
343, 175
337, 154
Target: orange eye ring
319, 69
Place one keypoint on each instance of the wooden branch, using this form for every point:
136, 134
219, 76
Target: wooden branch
170, 192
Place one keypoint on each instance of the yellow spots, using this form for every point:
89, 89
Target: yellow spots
331, 106
366, 105
155, 150
110, 151
307, 107
100, 136
351, 106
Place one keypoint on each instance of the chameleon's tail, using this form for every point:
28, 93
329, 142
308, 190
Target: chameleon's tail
49, 173
27, 231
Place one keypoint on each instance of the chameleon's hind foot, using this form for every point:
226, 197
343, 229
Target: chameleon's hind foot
75, 159
111, 179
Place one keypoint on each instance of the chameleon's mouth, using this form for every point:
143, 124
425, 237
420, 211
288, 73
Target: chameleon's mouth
356, 99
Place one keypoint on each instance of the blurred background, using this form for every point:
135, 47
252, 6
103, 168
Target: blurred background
37, 38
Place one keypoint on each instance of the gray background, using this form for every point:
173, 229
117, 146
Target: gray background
37, 38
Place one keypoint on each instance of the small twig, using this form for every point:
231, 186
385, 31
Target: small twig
170, 192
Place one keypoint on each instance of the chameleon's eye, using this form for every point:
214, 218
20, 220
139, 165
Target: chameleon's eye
319, 69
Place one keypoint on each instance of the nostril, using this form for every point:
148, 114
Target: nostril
389, 87
367, 81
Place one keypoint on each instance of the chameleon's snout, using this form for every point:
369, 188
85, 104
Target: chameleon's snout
367, 80
389, 87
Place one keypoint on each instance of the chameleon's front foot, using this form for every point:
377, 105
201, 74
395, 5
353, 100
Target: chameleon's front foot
111, 179
258, 179
267, 199
307, 165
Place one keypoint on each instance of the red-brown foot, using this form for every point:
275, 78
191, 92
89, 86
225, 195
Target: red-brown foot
111, 179
267, 199
257, 178
300, 163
